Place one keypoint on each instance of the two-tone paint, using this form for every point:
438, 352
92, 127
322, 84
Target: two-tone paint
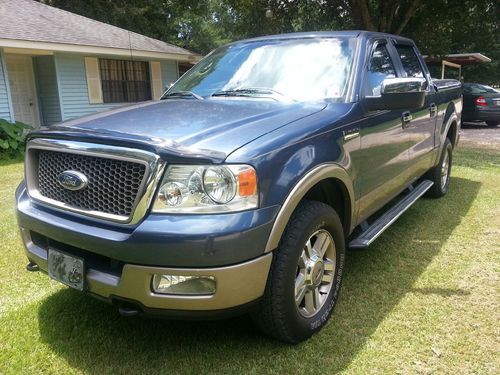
298, 150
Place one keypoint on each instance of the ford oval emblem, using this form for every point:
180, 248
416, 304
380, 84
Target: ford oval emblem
72, 180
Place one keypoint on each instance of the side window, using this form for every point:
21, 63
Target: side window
410, 62
380, 68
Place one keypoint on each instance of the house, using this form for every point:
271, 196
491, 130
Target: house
56, 65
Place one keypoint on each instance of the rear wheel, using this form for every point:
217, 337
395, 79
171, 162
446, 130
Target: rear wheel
492, 123
305, 276
440, 174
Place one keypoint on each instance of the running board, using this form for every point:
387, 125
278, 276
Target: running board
371, 233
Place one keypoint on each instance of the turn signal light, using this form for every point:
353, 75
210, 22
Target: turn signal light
247, 182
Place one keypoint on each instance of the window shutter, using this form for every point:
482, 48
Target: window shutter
93, 80
156, 83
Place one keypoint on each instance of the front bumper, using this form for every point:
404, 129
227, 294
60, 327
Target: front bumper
236, 285
192, 241
121, 261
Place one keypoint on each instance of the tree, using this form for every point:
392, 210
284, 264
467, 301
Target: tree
439, 27
390, 16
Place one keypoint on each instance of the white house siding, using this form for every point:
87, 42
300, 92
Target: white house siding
72, 84
4, 98
45, 71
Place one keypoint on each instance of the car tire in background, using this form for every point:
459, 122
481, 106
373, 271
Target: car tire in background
305, 277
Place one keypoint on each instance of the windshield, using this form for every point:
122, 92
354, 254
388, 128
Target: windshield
301, 70
478, 89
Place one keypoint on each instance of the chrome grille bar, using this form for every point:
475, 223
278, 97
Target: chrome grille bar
121, 180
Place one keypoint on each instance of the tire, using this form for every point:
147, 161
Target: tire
492, 124
440, 174
278, 314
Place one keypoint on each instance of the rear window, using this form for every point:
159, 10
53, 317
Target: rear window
410, 62
478, 89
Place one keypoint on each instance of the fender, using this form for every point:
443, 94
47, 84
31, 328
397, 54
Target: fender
444, 130
311, 178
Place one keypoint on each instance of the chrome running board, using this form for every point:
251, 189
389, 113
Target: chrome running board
371, 232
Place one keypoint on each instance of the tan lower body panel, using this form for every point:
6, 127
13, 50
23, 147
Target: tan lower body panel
235, 285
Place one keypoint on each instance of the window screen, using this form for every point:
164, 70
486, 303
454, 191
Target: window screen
124, 81
410, 62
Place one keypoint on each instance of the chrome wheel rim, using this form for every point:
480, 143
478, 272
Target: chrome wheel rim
445, 170
315, 273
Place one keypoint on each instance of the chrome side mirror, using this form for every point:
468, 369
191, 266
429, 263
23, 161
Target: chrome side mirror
399, 93
403, 85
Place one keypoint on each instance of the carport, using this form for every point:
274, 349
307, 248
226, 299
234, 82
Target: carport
457, 60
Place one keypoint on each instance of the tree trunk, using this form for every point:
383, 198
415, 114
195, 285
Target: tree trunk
410, 12
387, 20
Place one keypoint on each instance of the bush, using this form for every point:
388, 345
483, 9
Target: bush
12, 137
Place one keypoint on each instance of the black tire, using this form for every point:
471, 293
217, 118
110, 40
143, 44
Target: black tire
278, 315
439, 188
492, 124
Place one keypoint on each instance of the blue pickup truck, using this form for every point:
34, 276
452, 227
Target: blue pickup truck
242, 188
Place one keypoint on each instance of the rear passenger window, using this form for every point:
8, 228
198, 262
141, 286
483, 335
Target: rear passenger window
380, 68
410, 62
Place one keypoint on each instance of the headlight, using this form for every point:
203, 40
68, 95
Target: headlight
207, 189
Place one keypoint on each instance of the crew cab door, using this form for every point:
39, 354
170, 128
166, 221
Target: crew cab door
384, 152
422, 121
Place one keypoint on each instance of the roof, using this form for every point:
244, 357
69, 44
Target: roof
27, 20
459, 58
328, 34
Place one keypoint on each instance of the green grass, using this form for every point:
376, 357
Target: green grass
424, 299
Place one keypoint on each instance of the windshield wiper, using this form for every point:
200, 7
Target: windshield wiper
183, 94
251, 91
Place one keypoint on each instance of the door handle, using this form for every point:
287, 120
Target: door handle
406, 117
433, 109
351, 134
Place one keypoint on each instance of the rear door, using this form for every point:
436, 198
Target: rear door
421, 127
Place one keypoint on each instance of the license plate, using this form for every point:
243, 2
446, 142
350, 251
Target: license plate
67, 269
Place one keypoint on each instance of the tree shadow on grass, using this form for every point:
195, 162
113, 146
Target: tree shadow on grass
92, 337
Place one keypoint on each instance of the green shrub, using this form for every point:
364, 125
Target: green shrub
12, 137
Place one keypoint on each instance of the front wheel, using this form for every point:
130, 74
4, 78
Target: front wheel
440, 174
492, 124
305, 276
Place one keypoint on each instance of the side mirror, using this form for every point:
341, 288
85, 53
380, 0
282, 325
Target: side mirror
399, 93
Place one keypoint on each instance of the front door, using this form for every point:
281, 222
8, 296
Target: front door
22, 88
384, 142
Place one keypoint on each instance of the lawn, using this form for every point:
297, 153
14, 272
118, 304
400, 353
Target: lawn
423, 299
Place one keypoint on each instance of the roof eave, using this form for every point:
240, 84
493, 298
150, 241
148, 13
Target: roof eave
96, 50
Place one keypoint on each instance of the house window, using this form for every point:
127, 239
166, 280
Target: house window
124, 81
183, 68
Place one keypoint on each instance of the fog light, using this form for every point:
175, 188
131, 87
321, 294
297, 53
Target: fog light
178, 284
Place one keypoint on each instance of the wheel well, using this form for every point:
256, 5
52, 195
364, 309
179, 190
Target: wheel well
333, 193
452, 133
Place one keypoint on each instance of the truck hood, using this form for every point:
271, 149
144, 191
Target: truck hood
189, 128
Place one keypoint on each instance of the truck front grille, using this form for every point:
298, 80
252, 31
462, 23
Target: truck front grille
113, 185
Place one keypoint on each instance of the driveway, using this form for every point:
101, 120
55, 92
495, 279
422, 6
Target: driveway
478, 134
